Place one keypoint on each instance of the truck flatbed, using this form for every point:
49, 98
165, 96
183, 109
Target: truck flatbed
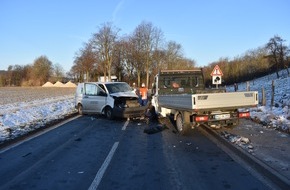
211, 101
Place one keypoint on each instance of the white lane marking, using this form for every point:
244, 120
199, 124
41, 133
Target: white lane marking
38, 134
103, 168
125, 125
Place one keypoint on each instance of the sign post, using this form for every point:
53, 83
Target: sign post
216, 76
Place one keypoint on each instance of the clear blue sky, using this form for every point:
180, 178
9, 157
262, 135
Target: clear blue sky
206, 29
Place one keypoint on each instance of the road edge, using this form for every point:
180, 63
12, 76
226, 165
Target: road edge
255, 164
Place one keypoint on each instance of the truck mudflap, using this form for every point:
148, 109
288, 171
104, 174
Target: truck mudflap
134, 112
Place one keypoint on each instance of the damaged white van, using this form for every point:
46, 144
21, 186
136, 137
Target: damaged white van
113, 99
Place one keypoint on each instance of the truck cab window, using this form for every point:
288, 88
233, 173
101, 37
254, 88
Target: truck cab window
197, 81
166, 82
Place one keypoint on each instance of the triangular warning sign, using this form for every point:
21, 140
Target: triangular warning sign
216, 71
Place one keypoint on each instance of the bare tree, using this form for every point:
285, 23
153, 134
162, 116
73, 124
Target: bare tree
185, 63
41, 70
283, 56
104, 42
9, 74
18, 75
277, 53
76, 72
159, 60
58, 72
85, 61
3, 78
15, 75
137, 54
148, 38
255, 62
173, 54
130, 66
119, 61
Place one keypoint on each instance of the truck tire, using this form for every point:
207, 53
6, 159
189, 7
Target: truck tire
80, 109
181, 127
109, 113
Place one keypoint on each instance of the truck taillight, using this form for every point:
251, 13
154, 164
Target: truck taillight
201, 118
244, 114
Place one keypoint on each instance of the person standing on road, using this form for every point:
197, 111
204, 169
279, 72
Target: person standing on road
144, 94
236, 87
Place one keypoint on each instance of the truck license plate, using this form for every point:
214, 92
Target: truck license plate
222, 116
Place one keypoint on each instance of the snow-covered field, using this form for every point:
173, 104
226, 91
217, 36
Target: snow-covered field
278, 115
25, 109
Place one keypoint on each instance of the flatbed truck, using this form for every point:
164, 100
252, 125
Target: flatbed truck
182, 94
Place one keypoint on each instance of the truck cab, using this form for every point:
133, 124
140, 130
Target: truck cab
178, 81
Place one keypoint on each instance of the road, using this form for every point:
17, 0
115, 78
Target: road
91, 152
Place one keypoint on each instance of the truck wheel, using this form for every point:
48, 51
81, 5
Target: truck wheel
80, 109
180, 124
109, 113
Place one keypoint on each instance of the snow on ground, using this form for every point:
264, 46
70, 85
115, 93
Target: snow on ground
21, 118
32, 112
278, 115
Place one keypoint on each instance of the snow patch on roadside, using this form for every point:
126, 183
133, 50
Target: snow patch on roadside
17, 121
278, 115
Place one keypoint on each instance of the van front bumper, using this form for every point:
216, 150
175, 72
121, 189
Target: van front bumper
129, 112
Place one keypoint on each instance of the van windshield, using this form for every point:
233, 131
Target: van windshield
118, 87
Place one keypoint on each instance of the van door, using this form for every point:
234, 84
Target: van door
94, 99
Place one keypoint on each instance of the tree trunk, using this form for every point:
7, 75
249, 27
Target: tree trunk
147, 73
138, 78
108, 64
105, 75
88, 75
277, 69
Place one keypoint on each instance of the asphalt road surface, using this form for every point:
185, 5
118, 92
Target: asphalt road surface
91, 152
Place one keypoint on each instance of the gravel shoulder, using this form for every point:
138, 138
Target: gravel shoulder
270, 146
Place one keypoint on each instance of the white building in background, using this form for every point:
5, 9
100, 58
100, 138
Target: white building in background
113, 79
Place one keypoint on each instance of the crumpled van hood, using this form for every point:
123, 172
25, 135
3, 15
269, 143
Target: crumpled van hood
124, 94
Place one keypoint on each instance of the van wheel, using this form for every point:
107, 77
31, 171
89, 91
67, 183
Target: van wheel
80, 109
181, 127
109, 113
